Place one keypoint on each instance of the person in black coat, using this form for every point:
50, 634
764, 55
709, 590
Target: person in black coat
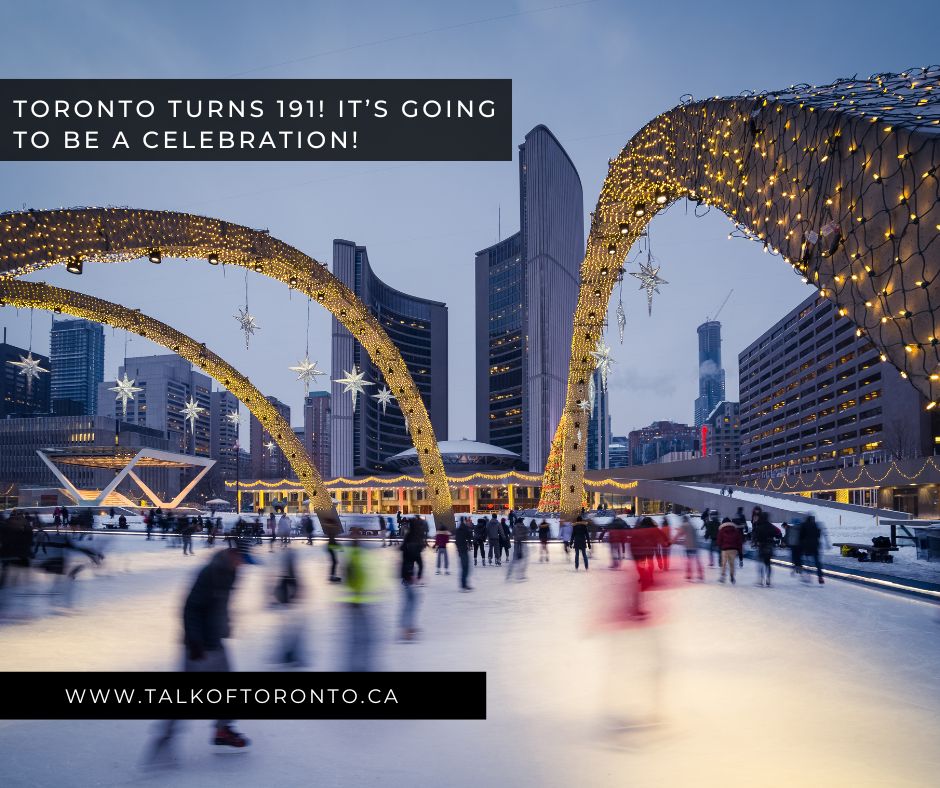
206, 624
463, 537
810, 535
580, 540
479, 541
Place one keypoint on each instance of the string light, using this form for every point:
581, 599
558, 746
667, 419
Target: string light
819, 189
33, 240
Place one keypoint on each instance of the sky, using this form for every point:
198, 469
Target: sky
594, 72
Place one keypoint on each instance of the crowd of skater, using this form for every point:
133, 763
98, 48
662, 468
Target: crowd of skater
641, 546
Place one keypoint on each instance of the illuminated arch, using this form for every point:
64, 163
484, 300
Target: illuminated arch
31, 240
841, 181
42, 296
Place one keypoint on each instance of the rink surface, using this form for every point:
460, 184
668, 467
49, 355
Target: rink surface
793, 685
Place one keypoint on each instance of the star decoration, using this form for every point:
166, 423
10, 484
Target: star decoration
232, 418
29, 366
621, 320
126, 390
307, 371
269, 446
247, 322
585, 405
649, 281
602, 356
354, 383
192, 412
384, 397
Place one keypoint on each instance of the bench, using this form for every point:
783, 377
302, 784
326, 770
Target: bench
868, 552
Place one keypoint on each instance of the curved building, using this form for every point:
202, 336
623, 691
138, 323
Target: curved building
460, 457
526, 293
362, 440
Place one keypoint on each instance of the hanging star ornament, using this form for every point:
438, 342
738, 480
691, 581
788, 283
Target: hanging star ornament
584, 405
232, 418
649, 281
29, 367
354, 383
269, 446
384, 397
247, 322
307, 371
621, 320
125, 391
602, 360
192, 412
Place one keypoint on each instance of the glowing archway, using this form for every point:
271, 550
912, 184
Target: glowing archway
840, 180
32, 240
42, 296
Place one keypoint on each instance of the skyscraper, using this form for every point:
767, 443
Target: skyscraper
19, 396
167, 382
711, 377
317, 430
77, 358
598, 436
526, 293
361, 441
223, 434
267, 459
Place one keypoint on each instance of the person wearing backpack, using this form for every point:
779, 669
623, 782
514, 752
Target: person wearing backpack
710, 527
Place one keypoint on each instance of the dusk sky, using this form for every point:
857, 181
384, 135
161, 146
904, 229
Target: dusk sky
593, 72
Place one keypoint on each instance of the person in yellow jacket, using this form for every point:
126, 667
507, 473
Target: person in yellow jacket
359, 594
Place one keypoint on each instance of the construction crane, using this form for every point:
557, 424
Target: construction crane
721, 307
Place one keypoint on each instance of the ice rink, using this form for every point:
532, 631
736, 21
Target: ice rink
724, 685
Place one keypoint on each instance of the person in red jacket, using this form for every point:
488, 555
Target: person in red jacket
731, 543
645, 542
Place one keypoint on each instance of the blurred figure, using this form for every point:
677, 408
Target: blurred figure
463, 537
810, 535
740, 522
493, 535
419, 528
479, 541
795, 545
710, 526
730, 543
764, 536
665, 546
287, 600
564, 533
186, 535
383, 530
332, 548
688, 538
441, 538
544, 533
284, 527
410, 553
617, 538
645, 540
581, 541
392, 532
361, 656
306, 525
272, 528
505, 537
205, 626
519, 558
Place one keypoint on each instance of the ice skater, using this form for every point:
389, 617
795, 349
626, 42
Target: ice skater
205, 626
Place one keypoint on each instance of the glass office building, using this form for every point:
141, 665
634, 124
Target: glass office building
362, 440
77, 358
526, 293
711, 377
